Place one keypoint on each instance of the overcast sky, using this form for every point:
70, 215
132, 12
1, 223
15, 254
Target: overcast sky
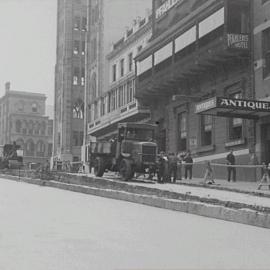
28, 45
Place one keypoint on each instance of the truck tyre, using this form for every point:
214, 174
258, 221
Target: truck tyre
126, 170
99, 167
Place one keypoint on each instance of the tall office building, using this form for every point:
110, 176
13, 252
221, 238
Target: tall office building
69, 79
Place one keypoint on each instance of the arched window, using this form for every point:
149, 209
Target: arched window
30, 148
24, 126
37, 128
18, 126
40, 149
30, 127
34, 107
78, 109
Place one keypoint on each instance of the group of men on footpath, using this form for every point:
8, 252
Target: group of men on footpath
170, 167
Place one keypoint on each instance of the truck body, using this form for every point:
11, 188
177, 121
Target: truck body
133, 150
11, 156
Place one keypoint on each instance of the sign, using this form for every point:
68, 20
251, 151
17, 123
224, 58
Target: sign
238, 41
165, 7
193, 142
206, 105
243, 104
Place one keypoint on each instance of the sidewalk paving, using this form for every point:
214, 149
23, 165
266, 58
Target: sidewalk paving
237, 192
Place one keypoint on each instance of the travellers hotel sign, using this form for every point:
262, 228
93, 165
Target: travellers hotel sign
165, 7
223, 105
238, 41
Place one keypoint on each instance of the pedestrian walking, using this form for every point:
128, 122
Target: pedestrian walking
172, 167
179, 166
161, 167
188, 166
209, 174
231, 170
265, 180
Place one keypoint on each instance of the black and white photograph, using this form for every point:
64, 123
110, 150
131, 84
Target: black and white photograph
134, 134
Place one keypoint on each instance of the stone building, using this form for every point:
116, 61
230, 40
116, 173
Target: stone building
118, 103
70, 79
107, 20
23, 120
202, 50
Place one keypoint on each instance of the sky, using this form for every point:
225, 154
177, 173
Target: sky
28, 46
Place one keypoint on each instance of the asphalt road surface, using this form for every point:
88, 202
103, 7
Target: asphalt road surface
43, 228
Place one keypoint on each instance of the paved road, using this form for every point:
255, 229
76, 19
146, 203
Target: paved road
43, 228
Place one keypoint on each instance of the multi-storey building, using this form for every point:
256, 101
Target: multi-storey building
70, 79
118, 103
201, 50
106, 22
23, 120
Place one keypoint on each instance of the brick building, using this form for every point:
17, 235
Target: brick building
70, 79
23, 120
201, 50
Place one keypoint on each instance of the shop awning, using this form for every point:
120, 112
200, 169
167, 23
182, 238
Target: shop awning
231, 107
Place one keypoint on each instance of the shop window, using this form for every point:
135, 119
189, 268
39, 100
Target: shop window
266, 52
182, 131
206, 129
236, 124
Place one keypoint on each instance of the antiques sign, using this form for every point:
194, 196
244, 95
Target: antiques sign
238, 41
243, 104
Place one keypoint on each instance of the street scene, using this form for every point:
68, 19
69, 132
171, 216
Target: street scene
134, 134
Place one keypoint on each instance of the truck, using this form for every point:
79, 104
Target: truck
133, 150
11, 156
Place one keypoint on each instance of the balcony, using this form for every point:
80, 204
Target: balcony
108, 123
222, 35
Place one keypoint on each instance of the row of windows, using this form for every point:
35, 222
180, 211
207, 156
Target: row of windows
116, 98
32, 149
124, 67
31, 128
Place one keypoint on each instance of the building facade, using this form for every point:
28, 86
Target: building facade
106, 22
201, 50
23, 120
70, 79
118, 103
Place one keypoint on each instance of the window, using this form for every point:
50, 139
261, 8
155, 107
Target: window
130, 62
76, 72
122, 67
40, 149
82, 76
78, 109
76, 23
130, 92
182, 131
95, 110
18, 126
121, 100
113, 100
30, 148
76, 47
30, 128
235, 124
81, 138
206, 129
83, 47
102, 106
114, 72
34, 107
266, 52
43, 128
84, 24
50, 131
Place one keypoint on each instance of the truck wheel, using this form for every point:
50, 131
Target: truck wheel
99, 167
126, 170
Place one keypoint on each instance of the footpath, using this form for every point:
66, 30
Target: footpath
232, 201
